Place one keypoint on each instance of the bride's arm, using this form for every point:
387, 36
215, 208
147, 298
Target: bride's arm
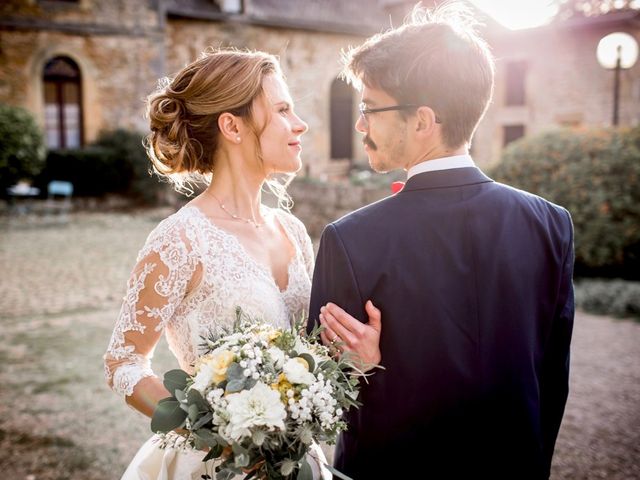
158, 284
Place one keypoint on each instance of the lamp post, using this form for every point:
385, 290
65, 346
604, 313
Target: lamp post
617, 51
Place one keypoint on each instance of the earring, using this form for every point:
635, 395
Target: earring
238, 139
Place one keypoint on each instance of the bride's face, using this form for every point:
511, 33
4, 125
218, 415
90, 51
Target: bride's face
281, 128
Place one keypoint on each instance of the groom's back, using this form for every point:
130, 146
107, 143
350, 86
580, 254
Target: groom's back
471, 278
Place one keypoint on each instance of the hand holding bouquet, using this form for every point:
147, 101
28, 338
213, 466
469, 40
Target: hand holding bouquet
259, 398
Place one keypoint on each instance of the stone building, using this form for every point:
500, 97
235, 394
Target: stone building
549, 76
86, 65
82, 66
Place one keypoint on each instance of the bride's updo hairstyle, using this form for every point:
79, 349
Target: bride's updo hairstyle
184, 111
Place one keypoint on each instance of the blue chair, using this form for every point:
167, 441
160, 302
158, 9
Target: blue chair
57, 187
59, 198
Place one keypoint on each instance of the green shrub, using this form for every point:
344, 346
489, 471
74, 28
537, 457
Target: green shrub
93, 171
116, 163
618, 298
22, 149
595, 175
133, 161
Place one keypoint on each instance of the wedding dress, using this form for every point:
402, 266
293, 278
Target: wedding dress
163, 297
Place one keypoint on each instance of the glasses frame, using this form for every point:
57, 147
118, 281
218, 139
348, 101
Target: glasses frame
364, 110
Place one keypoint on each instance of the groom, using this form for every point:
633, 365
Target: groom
473, 278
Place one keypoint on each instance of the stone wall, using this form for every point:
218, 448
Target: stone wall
564, 85
318, 203
117, 45
122, 48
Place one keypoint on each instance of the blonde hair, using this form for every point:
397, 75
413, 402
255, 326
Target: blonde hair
436, 59
183, 114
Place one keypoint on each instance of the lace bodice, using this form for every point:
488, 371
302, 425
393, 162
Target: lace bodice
189, 278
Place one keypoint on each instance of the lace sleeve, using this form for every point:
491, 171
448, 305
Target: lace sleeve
166, 269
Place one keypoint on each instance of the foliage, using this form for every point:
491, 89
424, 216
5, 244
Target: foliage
131, 157
260, 395
595, 175
93, 171
21, 146
618, 298
116, 163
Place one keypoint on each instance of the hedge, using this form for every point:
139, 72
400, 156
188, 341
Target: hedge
595, 175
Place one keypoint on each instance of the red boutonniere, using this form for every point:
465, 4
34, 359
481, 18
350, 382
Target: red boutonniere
397, 187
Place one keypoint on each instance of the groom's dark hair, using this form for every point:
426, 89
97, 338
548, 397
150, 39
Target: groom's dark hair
437, 59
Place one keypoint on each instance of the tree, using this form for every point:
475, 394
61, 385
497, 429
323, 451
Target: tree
21, 146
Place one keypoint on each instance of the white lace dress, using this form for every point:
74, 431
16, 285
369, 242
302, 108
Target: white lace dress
189, 278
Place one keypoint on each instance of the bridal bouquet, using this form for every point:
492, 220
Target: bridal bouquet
258, 399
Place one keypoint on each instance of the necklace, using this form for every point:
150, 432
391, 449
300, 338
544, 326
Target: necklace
250, 221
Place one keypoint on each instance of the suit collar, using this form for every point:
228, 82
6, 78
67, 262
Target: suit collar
455, 177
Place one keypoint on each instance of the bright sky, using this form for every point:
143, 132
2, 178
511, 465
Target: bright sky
516, 14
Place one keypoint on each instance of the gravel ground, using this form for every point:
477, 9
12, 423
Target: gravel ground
59, 296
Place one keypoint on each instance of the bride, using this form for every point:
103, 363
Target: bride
228, 118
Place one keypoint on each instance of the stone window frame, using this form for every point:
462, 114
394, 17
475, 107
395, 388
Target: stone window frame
59, 83
341, 120
90, 100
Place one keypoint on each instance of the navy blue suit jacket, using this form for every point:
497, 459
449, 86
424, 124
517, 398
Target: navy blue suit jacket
474, 281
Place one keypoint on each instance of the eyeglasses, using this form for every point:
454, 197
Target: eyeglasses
364, 110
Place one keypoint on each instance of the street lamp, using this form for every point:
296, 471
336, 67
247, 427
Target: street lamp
617, 51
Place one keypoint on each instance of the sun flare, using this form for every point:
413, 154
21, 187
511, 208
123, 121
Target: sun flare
518, 14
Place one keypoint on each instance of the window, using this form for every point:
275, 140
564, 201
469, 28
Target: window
515, 82
63, 103
341, 118
512, 133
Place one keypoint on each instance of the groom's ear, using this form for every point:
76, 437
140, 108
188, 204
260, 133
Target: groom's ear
425, 122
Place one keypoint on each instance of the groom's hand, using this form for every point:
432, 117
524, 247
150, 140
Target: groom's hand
351, 335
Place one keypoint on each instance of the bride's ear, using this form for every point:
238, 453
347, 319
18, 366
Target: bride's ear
230, 127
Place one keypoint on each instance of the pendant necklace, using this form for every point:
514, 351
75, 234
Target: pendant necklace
233, 215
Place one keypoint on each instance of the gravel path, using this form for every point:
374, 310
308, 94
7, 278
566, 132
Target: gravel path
59, 296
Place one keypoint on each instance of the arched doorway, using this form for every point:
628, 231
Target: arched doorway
341, 120
63, 103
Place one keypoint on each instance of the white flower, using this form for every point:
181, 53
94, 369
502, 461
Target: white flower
259, 406
276, 355
297, 371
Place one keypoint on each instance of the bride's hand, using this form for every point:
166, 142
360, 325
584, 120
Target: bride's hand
351, 335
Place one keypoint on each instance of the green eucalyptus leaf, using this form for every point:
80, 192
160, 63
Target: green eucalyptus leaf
207, 436
180, 395
235, 372
211, 454
194, 397
242, 460
305, 472
193, 413
235, 386
250, 383
202, 421
309, 359
167, 416
337, 473
175, 380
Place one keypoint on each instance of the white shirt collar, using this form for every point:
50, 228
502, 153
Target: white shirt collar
445, 163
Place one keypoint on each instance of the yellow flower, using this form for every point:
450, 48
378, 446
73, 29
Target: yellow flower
274, 335
212, 368
282, 386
